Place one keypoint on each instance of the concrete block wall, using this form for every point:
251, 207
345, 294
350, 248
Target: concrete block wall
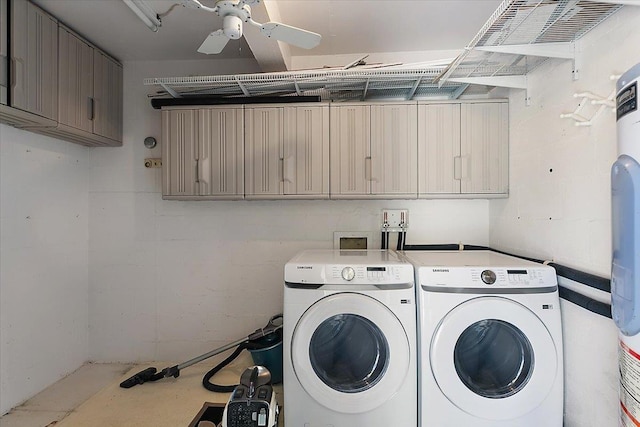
44, 217
170, 280
559, 204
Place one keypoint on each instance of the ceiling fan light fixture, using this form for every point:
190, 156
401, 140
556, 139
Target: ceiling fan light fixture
145, 13
232, 27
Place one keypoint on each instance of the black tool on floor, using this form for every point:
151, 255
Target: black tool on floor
258, 339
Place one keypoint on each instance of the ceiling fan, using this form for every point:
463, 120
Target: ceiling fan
234, 13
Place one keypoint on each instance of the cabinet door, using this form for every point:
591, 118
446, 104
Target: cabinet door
306, 151
34, 60
394, 150
350, 150
107, 96
439, 162
76, 81
264, 154
484, 148
179, 152
220, 152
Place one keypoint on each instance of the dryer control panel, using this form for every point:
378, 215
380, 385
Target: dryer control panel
488, 277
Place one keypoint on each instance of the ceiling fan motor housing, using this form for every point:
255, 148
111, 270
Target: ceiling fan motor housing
232, 27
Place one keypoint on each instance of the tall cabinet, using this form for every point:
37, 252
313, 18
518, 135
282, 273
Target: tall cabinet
203, 153
287, 151
374, 150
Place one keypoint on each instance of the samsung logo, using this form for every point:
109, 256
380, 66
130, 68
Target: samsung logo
440, 270
304, 267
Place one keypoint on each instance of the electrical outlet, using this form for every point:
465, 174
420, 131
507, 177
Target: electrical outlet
395, 220
152, 163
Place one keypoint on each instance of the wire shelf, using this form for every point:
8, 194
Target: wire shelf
515, 22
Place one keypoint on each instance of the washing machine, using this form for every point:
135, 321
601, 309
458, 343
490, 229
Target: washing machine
489, 341
349, 340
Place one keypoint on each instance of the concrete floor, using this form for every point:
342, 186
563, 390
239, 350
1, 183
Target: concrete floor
56, 402
91, 396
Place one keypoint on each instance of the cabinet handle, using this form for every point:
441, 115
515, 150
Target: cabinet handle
367, 168
12, 73
464, 169
90, 107
281, 167
457, 167
197, 171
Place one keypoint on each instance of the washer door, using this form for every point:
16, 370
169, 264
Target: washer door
493, 358
350, 352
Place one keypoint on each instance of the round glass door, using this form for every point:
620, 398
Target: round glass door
493, 358
350, 352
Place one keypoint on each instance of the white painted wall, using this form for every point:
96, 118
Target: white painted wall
559, 204
43, 262
170, 280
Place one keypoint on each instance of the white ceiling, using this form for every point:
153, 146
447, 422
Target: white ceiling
348, 27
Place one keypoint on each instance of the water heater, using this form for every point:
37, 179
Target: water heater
625, 265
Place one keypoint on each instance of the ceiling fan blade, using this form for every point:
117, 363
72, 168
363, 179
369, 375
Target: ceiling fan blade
214, 43
292, 35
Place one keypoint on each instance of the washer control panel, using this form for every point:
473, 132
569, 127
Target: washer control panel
368, 274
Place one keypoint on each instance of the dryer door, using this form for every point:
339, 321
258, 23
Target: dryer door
350, 352
493, 358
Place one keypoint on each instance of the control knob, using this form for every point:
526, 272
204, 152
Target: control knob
488, 277
348, 273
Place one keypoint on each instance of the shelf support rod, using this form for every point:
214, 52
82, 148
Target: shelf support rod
366, 88
243, 88
170, 90
562, 50
511, 82
412, 91
456, 94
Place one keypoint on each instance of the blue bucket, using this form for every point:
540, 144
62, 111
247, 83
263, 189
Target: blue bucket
270, 356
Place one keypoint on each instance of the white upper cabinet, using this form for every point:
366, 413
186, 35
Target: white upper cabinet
439, 149
394, 150
463, 149
34, 60
220, 160
484, 148
264, 130
350, 150
286, 151
202, 153
61, 85
90, 97
374, 151
306, 151
179, 153
402, 150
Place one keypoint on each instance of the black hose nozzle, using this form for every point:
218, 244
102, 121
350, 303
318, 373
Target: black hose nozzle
139, 378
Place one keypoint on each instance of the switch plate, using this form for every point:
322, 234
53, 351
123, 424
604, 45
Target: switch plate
395, 220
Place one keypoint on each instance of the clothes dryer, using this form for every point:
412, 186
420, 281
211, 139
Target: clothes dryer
349, 340
490, 341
